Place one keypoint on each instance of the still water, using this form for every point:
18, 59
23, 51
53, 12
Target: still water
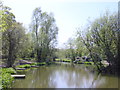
65, 76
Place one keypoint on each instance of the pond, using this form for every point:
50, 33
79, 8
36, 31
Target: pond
65, 76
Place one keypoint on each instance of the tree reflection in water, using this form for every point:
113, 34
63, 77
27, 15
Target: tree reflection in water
65, 76
76, 79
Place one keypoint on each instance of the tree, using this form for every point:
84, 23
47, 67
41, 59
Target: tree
87, 40
44, 33
26, 49
12, 41
7, 18
7, 21
101, 40
104, 33
71, 49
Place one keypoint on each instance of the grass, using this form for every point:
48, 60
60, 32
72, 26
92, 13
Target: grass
58, 59
79, 62
67, 60
39, 64
86, 63
24, 66
91, 63
29, 65
63, 60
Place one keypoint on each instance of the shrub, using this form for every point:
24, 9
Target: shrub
8, 70
5, 77
6, 80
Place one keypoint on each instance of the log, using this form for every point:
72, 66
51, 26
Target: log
34, 66
18, 76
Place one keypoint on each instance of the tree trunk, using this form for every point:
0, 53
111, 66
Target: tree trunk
10, 55
39, 55
118, 55
109, 55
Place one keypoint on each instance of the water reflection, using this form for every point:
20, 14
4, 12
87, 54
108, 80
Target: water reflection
65, 76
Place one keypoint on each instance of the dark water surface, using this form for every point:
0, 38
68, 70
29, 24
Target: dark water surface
64, 76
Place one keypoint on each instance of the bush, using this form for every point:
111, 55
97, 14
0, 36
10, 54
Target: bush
6, 80
5, 77
8, 70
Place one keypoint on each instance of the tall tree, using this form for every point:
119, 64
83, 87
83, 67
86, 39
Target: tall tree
104, 33
102, 38
44, 32
7, 21
12, 41
7, 18
71, 49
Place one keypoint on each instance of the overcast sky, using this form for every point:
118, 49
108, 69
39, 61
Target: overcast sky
69, 14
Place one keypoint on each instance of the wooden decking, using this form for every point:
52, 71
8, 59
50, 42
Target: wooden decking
18, 76
20, 68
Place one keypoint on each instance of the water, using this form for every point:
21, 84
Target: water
65, 76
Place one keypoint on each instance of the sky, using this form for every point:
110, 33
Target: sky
69, 14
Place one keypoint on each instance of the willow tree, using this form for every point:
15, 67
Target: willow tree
44, 34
